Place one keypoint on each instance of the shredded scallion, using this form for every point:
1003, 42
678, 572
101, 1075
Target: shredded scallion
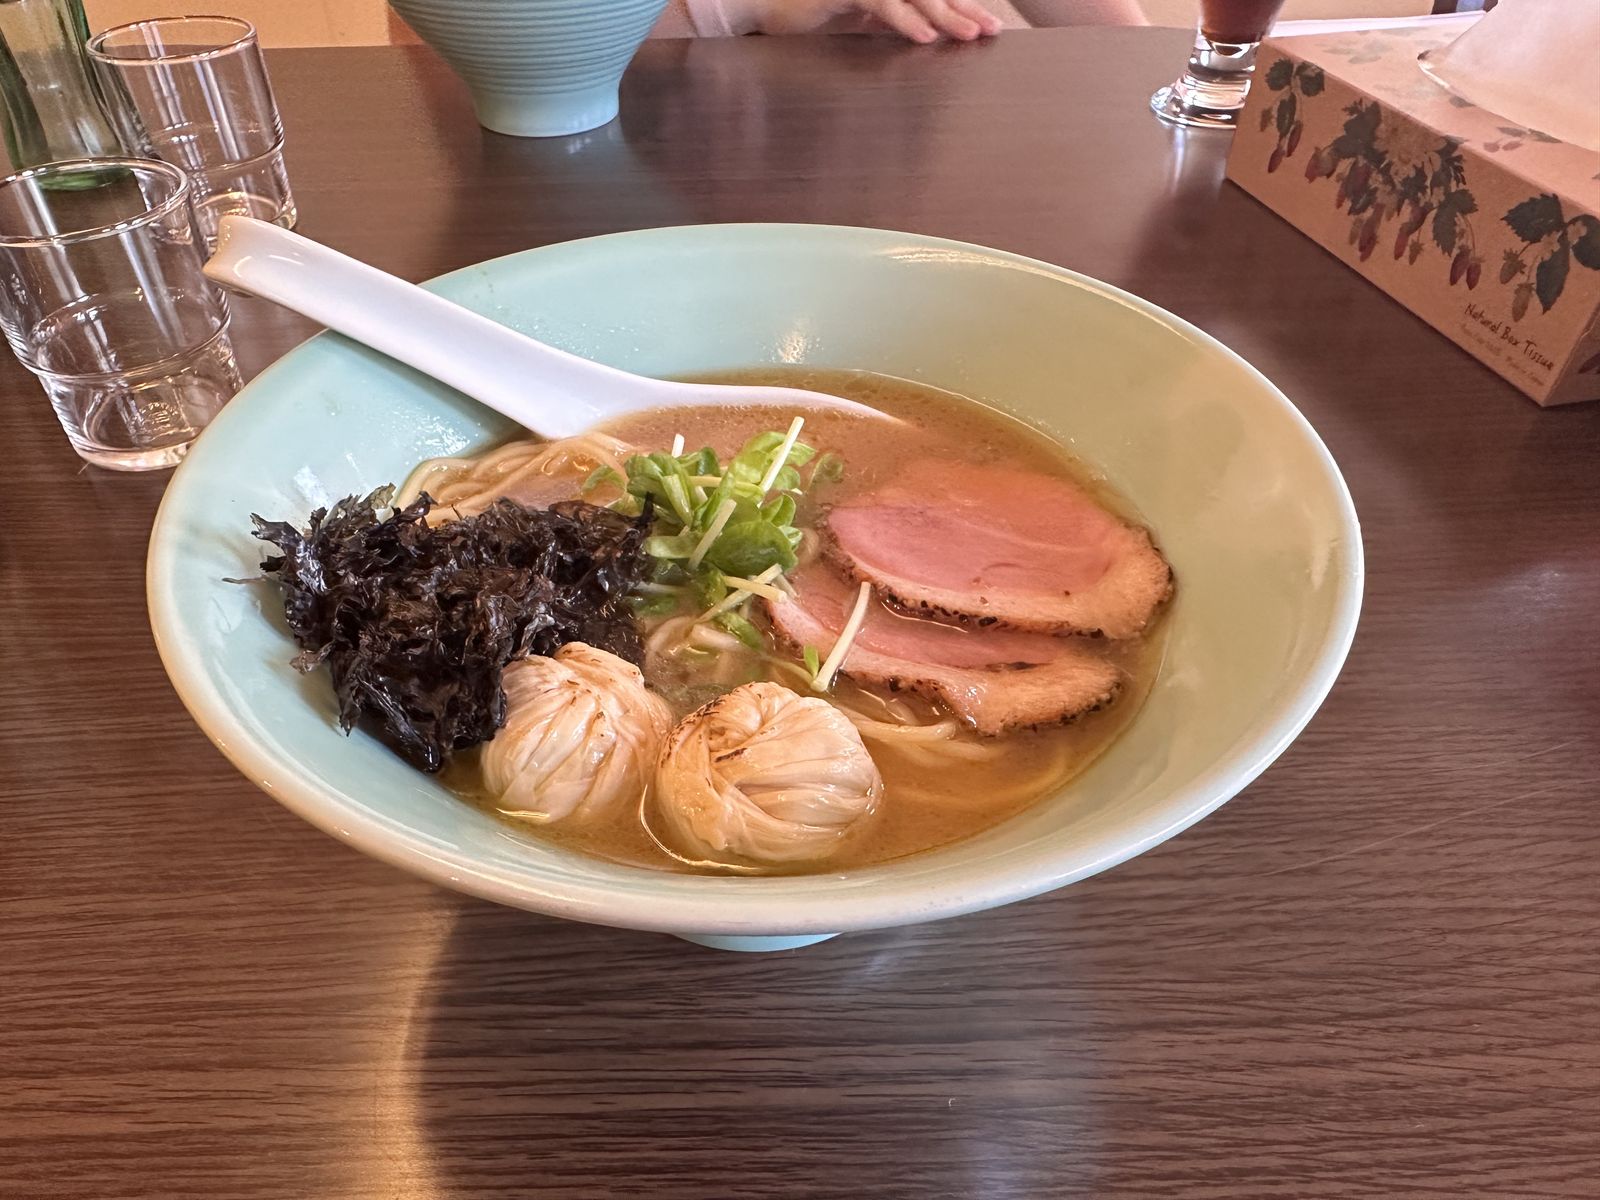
713, 531
724, 531
822, 681
781, 458
740, 590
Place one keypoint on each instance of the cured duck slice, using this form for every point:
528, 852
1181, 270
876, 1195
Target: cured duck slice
990, 545
994, 679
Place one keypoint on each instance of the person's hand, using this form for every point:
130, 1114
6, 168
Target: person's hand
919, 20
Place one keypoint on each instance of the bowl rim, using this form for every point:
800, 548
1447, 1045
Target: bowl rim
724, 906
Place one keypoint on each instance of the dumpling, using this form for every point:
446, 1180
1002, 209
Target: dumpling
764, 775
580, 737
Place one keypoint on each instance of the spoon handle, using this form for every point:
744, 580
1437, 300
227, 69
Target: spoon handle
550, 392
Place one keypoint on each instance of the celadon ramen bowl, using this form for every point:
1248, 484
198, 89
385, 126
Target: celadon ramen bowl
1242, 496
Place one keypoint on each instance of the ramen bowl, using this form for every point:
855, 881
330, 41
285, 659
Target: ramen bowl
1245, 500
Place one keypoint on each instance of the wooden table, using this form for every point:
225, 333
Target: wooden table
1372, 974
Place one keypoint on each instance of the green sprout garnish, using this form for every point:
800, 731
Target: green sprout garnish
716, 520
723, 531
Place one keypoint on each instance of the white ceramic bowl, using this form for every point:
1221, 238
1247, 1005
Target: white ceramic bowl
1246, 502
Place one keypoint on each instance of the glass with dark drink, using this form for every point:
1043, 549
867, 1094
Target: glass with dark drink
1211, 90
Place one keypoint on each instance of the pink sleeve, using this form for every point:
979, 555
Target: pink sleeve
696, 18
711, 19
1044, 13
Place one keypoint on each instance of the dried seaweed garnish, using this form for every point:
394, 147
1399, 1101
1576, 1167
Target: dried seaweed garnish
417, 622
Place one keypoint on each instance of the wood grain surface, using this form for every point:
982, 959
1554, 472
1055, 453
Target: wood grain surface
1372, 974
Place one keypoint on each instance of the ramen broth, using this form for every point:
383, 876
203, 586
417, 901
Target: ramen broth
976, 782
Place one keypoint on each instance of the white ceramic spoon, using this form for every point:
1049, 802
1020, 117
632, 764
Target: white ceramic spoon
550, 392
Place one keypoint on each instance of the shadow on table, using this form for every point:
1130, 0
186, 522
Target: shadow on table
590, 1061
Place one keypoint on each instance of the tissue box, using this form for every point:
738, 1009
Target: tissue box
1487, 231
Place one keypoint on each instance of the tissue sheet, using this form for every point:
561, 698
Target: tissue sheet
1534, 62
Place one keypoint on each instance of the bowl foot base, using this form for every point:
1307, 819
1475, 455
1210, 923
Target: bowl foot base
553, 114
755, 945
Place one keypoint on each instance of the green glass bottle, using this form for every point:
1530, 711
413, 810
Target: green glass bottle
51, 104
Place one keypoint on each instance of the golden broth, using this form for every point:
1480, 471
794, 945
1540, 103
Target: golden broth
975, 782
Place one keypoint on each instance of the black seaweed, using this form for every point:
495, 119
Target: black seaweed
417, 622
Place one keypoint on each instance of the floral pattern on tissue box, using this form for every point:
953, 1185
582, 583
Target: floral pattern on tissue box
1431, 197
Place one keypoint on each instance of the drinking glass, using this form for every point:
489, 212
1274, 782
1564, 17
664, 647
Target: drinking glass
1211, 90
102, 297
199, 88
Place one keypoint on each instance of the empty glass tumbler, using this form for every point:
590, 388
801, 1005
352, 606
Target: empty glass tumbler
103, 298
195, 89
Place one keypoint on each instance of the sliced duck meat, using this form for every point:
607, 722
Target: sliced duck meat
991, 545
994, 679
